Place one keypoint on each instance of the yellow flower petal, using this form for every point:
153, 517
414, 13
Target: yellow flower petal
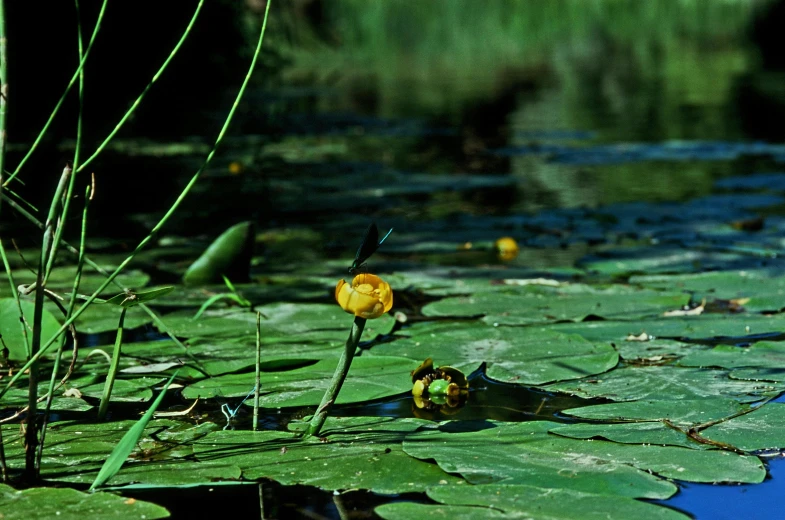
368, 296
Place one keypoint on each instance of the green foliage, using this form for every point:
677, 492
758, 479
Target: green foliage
70, 504
229, 256
502, 501
127, 444
513, 355
233, 295
11, 330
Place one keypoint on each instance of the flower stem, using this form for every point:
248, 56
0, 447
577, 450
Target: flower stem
338, 377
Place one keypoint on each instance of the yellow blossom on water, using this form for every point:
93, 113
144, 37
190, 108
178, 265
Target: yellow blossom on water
236, 168
506, 248
368, 296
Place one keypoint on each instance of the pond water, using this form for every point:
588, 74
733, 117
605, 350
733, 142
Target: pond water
615, 141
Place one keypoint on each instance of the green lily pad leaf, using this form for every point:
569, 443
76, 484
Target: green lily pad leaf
127, 390
666, 383
450, 281
75, 452
104, 318
682, 412
311, 322
644, 433
522, 501
513, 355
759, 430
135, 298
170, 473
275, 288
692, 327
229, 255
17, 398
219, 356
61, 281
360, 453
765, 293
637, 260
582, 465
371, 377
71, 504
759, 374
653, 351
764, 354
542, 304
11, 328
151, 368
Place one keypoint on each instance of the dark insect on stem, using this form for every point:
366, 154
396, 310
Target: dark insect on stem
368, 247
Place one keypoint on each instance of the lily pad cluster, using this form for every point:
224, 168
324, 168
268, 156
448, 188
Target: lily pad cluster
680, 367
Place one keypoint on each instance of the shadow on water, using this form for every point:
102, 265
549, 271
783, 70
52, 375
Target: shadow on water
488, 399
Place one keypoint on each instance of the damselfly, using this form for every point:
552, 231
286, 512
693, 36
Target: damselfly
368, 247
229, 413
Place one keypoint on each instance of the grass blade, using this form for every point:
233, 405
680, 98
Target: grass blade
128, 442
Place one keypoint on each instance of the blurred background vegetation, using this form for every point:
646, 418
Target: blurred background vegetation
408, 85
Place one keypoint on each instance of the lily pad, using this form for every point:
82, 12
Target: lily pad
371, 377
512, 355
761, 292
103, 317
268, 289
762, 429
71, 504
11, 329
667, 383
663, 259
682, 412
137, 390
540, 304
61, 281
744, 328
525, 501
17, 398
75, 452
764, 354
643, 433
360, 453
531, 454
322, 322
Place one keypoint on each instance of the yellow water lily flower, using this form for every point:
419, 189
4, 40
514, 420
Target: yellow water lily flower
506, 248
367, 297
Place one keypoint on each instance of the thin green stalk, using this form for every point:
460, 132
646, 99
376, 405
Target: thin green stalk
160, 224
157, 75
328, 400
257, 388
15, 295
113, 367
71, 183
77, 167
62, 98
156, 319
3, 89
71, 304
31, 433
